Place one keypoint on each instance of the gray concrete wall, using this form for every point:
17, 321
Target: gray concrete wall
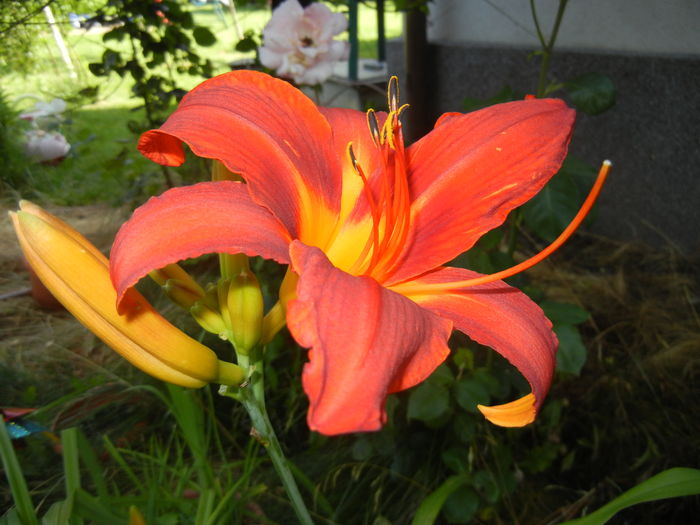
652, 134
647, 27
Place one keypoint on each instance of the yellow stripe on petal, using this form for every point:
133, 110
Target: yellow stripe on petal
517, 413
78, 275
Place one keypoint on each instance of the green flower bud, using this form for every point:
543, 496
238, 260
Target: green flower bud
245, 307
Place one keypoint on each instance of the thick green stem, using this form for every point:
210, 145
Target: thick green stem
252, 395
265, 434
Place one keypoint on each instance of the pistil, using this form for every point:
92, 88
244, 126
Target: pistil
413, 288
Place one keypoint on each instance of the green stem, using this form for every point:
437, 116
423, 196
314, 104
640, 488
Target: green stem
265, 434
548, 47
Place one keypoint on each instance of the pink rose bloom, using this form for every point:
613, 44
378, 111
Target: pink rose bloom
45, 146
298, 43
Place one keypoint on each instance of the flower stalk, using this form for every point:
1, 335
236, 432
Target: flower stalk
251, 395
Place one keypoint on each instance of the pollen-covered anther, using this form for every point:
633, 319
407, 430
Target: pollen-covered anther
373, 125
393, 94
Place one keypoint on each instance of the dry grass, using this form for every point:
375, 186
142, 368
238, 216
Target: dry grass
633, 412
43, 348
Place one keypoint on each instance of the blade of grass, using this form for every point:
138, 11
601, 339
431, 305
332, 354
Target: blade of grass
71, 472
18, 485
116, 455
430, 507
671, 483
88, 506
205, 506
92, 464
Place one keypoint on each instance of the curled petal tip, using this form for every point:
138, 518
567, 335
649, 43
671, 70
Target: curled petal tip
517, 413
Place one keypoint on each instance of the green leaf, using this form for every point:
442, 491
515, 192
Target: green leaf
572, 354
487, 485
15, 478
592, 93
247, 44
564, 313
10, 518
470, 392
671, 483
430, 507
428, 402
456, 459
580, 171
91, 508
203, 36
461, 505
550, 211
442, 376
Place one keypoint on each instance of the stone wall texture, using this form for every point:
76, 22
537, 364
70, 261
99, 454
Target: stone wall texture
652, 134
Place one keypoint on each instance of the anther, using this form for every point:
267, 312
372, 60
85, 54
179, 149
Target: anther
373, 125
353, 159
393, 92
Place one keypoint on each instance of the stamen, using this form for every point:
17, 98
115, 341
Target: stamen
372, 241
393, 94
374, 127
529, 263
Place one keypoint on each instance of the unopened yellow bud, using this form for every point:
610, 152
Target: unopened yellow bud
222, 301
78, 275
208, 319
273, 322
180, 294
233, 264
245, 308
178, 285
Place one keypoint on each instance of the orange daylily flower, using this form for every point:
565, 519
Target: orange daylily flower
366, 226
77, 274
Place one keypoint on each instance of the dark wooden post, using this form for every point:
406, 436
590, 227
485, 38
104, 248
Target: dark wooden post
419, 76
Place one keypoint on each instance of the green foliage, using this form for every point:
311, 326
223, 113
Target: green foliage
159, 42
161, 476
15, 172
671, 483
592, 93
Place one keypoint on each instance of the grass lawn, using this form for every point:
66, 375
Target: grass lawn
103, 165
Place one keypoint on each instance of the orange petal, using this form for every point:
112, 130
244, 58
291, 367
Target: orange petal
365, 342
468, 173
210, 217
268, 132
501, 317
517, 413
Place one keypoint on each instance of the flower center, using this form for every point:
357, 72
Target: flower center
387, 194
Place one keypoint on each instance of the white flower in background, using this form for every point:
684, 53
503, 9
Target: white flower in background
46, 109
43, 146
298, 43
